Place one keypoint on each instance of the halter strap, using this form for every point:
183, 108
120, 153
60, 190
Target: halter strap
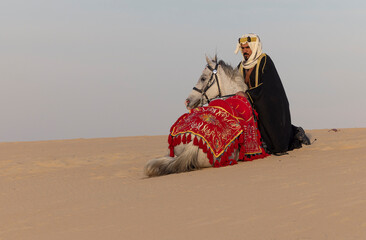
210, 83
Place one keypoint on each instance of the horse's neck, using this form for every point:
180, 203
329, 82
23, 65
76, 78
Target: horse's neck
232, 85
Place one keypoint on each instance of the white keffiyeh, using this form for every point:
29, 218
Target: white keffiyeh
255, 45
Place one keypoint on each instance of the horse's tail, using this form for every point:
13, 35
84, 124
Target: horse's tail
186, 161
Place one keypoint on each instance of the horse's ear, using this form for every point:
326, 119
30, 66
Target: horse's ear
210, 62
215, 59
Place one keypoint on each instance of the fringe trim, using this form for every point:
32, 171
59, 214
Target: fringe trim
222, 160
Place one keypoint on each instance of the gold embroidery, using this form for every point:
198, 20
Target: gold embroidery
257, 69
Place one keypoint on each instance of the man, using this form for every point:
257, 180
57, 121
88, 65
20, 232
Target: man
267, 95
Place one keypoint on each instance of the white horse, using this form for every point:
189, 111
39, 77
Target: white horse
217, 80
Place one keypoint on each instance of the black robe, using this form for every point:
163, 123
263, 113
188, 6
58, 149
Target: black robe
269, 99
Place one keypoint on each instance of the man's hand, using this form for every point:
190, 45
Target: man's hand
241, 93
186, 104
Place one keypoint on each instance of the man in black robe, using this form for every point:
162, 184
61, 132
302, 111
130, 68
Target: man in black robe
268, 97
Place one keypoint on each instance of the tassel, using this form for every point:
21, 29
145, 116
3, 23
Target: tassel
175, 141
184, 139
217, 164
200, 143
170, 139
204, 149
225, 160
195, 141
179, 139
222, 160
241, 139
171, 151
189, 138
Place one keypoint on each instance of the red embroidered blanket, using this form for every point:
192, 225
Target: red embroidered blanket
214, 125
219, 129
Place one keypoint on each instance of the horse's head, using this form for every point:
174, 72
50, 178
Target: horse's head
217, 80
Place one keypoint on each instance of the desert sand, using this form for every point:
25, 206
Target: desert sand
95, 189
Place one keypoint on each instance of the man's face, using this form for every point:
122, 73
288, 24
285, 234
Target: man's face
245, 49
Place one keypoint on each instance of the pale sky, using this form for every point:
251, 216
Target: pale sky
111, 68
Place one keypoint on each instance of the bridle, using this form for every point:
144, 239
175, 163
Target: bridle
210, 83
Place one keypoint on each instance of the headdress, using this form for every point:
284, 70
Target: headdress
255, 45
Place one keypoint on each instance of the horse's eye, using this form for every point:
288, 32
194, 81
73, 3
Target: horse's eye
202, 79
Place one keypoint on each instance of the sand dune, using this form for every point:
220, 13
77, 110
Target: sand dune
95, 189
